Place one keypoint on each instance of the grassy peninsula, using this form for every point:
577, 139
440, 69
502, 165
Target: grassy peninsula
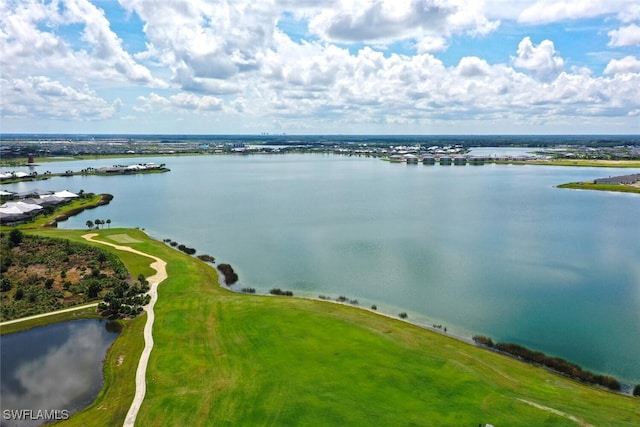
222, 358
589, 185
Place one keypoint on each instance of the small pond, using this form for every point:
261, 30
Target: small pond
50, 372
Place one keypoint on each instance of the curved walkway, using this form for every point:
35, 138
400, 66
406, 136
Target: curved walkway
161, 273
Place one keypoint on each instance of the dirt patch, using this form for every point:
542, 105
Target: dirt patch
557, 412
120, 360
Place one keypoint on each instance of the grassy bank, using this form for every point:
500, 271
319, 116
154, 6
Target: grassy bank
222, 358
111, 406
587, 163
621, 188
85, 313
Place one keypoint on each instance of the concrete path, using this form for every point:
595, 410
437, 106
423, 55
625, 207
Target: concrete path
160, 267
51, 313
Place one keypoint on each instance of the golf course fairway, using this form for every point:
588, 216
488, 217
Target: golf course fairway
223, 358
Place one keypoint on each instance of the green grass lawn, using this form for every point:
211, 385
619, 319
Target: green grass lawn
621, 188
222, 358
587, 162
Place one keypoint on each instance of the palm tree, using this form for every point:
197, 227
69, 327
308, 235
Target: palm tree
98, 222
89, 224
109, 223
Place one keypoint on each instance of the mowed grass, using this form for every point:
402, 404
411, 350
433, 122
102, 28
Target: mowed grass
222, 358
621, 188
586, 162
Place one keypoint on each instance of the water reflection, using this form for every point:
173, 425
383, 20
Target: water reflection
55, 368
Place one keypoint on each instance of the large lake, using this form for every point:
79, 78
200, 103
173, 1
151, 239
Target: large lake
493, 249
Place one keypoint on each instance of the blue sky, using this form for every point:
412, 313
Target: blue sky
296, 67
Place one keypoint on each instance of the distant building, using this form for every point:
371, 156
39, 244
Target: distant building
625, 179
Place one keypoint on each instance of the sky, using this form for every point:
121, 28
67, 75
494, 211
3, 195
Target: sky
320, 67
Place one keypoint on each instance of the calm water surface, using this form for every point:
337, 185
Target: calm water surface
54, 368
492, 249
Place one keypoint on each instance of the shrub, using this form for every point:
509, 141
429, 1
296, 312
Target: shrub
5, 285
207, 258
559, 365
636, 390
278, 291
482, 340
403, 315
374, 307
230, 277
15, 238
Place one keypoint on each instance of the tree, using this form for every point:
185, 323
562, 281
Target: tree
89, 224
109, 223
15, 238
5, 285
636, 390
93, 289
98, 222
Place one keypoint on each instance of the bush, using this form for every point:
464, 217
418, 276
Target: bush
5, 285
559, 365
482, 340
636, 390
278, 291
230, 277
403, 315
15, 238
206, 258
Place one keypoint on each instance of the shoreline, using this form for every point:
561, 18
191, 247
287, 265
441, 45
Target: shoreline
341, 316
440, 329
626, 385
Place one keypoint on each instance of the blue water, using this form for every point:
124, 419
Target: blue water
494, 249
55, 368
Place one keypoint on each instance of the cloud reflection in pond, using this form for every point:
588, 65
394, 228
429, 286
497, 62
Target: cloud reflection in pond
56, 367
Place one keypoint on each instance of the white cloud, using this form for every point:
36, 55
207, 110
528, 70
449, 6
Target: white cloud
370, 87
204, 43
628, 64
42, 97
546, 11
472, 67
33, 40
388, 20
431, 44
625, 36
542, 60
181, 101
231, 62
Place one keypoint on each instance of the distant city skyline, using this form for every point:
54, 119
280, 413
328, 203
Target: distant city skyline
341, 67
